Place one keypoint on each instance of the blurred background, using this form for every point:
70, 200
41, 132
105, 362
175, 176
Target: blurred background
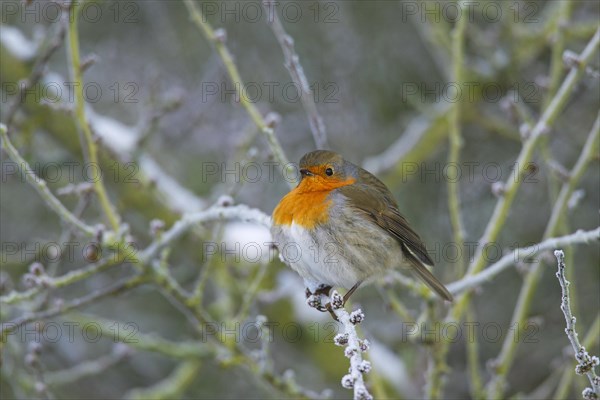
173, 139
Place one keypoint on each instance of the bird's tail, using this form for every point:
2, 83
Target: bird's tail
422, 272
431, 281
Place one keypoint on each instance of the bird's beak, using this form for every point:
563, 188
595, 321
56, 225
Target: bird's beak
305, 172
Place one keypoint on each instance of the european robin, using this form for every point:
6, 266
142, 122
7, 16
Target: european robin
341, 227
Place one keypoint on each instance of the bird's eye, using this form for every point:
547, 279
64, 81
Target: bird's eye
329, 171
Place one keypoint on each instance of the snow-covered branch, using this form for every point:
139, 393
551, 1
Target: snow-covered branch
518, 254
221, 210
350, 339
586, 363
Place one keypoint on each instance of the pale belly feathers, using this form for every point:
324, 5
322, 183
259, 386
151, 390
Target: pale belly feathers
355, 251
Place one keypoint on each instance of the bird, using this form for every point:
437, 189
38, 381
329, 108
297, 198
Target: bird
341, 227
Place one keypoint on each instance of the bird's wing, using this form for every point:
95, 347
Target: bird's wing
382, 209
376, 202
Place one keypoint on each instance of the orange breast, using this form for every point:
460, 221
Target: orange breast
307, 205
306, 209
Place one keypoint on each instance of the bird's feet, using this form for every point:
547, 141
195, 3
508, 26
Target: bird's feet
322, 289
316, 302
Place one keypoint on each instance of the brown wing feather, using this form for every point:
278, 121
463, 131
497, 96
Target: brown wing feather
398, 226
373, 198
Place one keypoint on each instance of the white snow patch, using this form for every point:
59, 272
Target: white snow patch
250, 241
178, 197
119, 137
17, 44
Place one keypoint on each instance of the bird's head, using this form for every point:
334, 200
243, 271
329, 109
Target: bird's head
323, 170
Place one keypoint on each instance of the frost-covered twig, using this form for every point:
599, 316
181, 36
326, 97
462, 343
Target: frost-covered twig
354, 345
42, 188
590, 339
521, 253
239, 212
586, 363
292, 63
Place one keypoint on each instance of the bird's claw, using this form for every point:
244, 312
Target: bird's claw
327, 308
321, 290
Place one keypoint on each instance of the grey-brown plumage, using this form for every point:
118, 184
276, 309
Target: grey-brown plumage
370, 196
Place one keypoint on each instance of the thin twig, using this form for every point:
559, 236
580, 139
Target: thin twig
42, 188
218, 41
199, 319
586, 363
252, 292
163, 195
88, 368
172, 386
437, 365
209, 266
38, 69
456, 140
183, 349
588, 152
125, 284
560, 19
241, 212
90, 144
61, 281
292, 63
474, 366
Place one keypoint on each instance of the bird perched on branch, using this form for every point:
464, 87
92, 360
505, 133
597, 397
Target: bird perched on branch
341, 227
